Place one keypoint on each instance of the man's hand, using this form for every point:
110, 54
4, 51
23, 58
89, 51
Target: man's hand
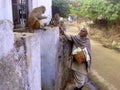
61, 30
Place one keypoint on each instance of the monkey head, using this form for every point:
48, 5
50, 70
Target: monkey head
43, 9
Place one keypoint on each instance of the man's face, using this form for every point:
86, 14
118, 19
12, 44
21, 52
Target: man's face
83, 33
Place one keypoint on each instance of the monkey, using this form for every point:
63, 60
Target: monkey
35, 16
55, 20
62, 24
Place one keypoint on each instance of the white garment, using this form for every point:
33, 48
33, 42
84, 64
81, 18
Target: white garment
81, 68
80, 71
82, 80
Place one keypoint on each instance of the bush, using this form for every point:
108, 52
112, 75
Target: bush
61, 7
108, 10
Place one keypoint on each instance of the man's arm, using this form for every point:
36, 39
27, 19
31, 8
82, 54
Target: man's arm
65, 34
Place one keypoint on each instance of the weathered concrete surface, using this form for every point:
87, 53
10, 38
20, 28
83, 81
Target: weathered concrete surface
6, 10
12, 64
34, 61
28, 58
13, 69
41, 51
6, 37
21, 68
49, 46
64, 73
19, 59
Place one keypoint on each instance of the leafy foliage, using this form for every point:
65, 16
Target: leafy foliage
108, 10
61, 7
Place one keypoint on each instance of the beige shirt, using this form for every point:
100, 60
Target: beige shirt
81, 68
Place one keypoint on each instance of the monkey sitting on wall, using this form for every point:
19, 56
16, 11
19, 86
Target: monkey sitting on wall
35, 17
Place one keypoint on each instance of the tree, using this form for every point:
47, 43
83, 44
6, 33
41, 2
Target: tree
61, 7
109, 10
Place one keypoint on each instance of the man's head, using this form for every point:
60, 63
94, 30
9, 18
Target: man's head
43, 9
83, 32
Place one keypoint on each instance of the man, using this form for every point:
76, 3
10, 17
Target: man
35, 17
80, 71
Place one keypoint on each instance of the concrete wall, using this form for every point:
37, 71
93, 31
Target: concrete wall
6, 37
64, 74
6, 10
49, 46
28, 58
13, 63
34, 61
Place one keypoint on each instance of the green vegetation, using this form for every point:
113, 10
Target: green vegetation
107, 10
61, 7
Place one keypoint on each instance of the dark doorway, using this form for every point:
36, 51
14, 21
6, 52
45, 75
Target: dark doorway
20, 13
